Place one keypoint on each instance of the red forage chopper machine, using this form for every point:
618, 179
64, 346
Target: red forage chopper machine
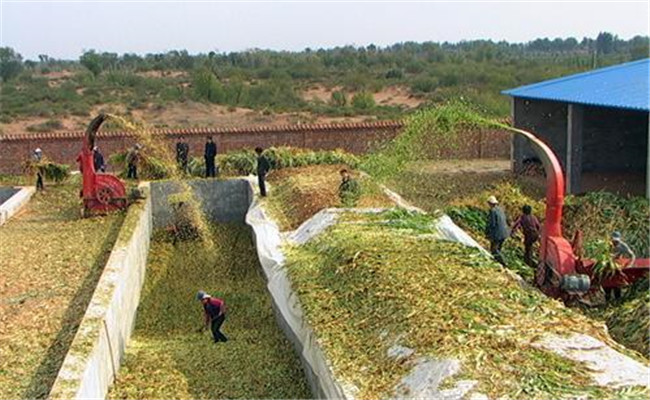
101, 192
560, 266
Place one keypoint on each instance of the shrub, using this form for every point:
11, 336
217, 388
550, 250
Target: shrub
49, 125
338, 99
394, 74
363, 101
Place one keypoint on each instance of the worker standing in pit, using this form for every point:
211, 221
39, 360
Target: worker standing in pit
349, 190
263, 167
622, 255
209, 155
132, 158
531, 228
182, 153
215, 314
496, 229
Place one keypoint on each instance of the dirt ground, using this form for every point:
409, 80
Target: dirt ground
50, 260
185, 115
389, 96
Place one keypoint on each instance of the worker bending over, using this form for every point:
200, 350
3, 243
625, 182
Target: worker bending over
623, 256
496, 229
530, 227
215, 314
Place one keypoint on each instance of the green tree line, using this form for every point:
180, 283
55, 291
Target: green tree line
474, 70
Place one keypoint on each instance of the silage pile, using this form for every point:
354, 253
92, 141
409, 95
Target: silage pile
50, 261
299, 193
167, 358
376, 282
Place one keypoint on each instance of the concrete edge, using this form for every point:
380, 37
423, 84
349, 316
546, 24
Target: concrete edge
94, 356
10, 207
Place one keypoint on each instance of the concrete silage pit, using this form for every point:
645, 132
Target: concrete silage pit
139, 337
12, 199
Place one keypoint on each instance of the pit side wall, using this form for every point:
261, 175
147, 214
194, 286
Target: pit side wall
13, 204
221, 200
97, 349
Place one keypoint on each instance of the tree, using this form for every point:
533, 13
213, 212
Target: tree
11, 63
93, 61
605, 43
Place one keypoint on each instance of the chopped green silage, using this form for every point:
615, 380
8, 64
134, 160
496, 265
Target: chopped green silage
367, 286
297, 194
50, 261
167, 358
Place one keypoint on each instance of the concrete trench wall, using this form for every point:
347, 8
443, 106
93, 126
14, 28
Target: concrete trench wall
12, 199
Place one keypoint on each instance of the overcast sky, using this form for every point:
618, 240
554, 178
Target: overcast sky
63, 29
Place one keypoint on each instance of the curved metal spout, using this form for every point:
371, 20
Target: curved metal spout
91, 131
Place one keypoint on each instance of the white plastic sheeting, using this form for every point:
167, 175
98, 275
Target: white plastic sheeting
426, 374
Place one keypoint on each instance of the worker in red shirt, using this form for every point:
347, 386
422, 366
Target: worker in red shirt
215, 314
531, 229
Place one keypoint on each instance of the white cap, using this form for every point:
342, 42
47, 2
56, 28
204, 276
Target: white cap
492, 200
38, 150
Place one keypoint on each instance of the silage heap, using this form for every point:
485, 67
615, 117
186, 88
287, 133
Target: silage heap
392, 305
50, 262
167, 358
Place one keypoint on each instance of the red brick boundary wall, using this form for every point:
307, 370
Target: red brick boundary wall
358, 138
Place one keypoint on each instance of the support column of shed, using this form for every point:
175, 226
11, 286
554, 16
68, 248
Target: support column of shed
573, 165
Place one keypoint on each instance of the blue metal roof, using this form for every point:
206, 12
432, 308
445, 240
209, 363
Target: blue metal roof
622, 86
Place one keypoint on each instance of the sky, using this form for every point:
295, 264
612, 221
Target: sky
64, 29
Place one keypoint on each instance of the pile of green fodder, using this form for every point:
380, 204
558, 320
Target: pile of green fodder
244, 162
299, 193
168, 358
379, 281
150, 167
629, 321
50, 262
50, 171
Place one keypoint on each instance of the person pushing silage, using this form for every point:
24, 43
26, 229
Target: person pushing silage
214, 313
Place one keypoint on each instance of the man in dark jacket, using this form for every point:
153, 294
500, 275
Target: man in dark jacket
209, 156
98, 160
214, 314
132, 159
182, 153
349, 189
496, 229
263, 167
531, 228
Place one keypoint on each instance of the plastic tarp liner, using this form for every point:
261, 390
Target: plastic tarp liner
426, 373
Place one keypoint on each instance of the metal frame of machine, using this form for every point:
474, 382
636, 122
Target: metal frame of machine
559, 260
101, 193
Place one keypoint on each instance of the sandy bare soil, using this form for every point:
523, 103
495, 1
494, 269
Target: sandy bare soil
390, 96
185, 115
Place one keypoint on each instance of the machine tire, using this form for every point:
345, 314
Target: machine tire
104, 195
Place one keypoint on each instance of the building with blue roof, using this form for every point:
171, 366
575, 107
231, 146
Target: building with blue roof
596, 122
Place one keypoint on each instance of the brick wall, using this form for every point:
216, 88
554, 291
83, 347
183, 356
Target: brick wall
358, 138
